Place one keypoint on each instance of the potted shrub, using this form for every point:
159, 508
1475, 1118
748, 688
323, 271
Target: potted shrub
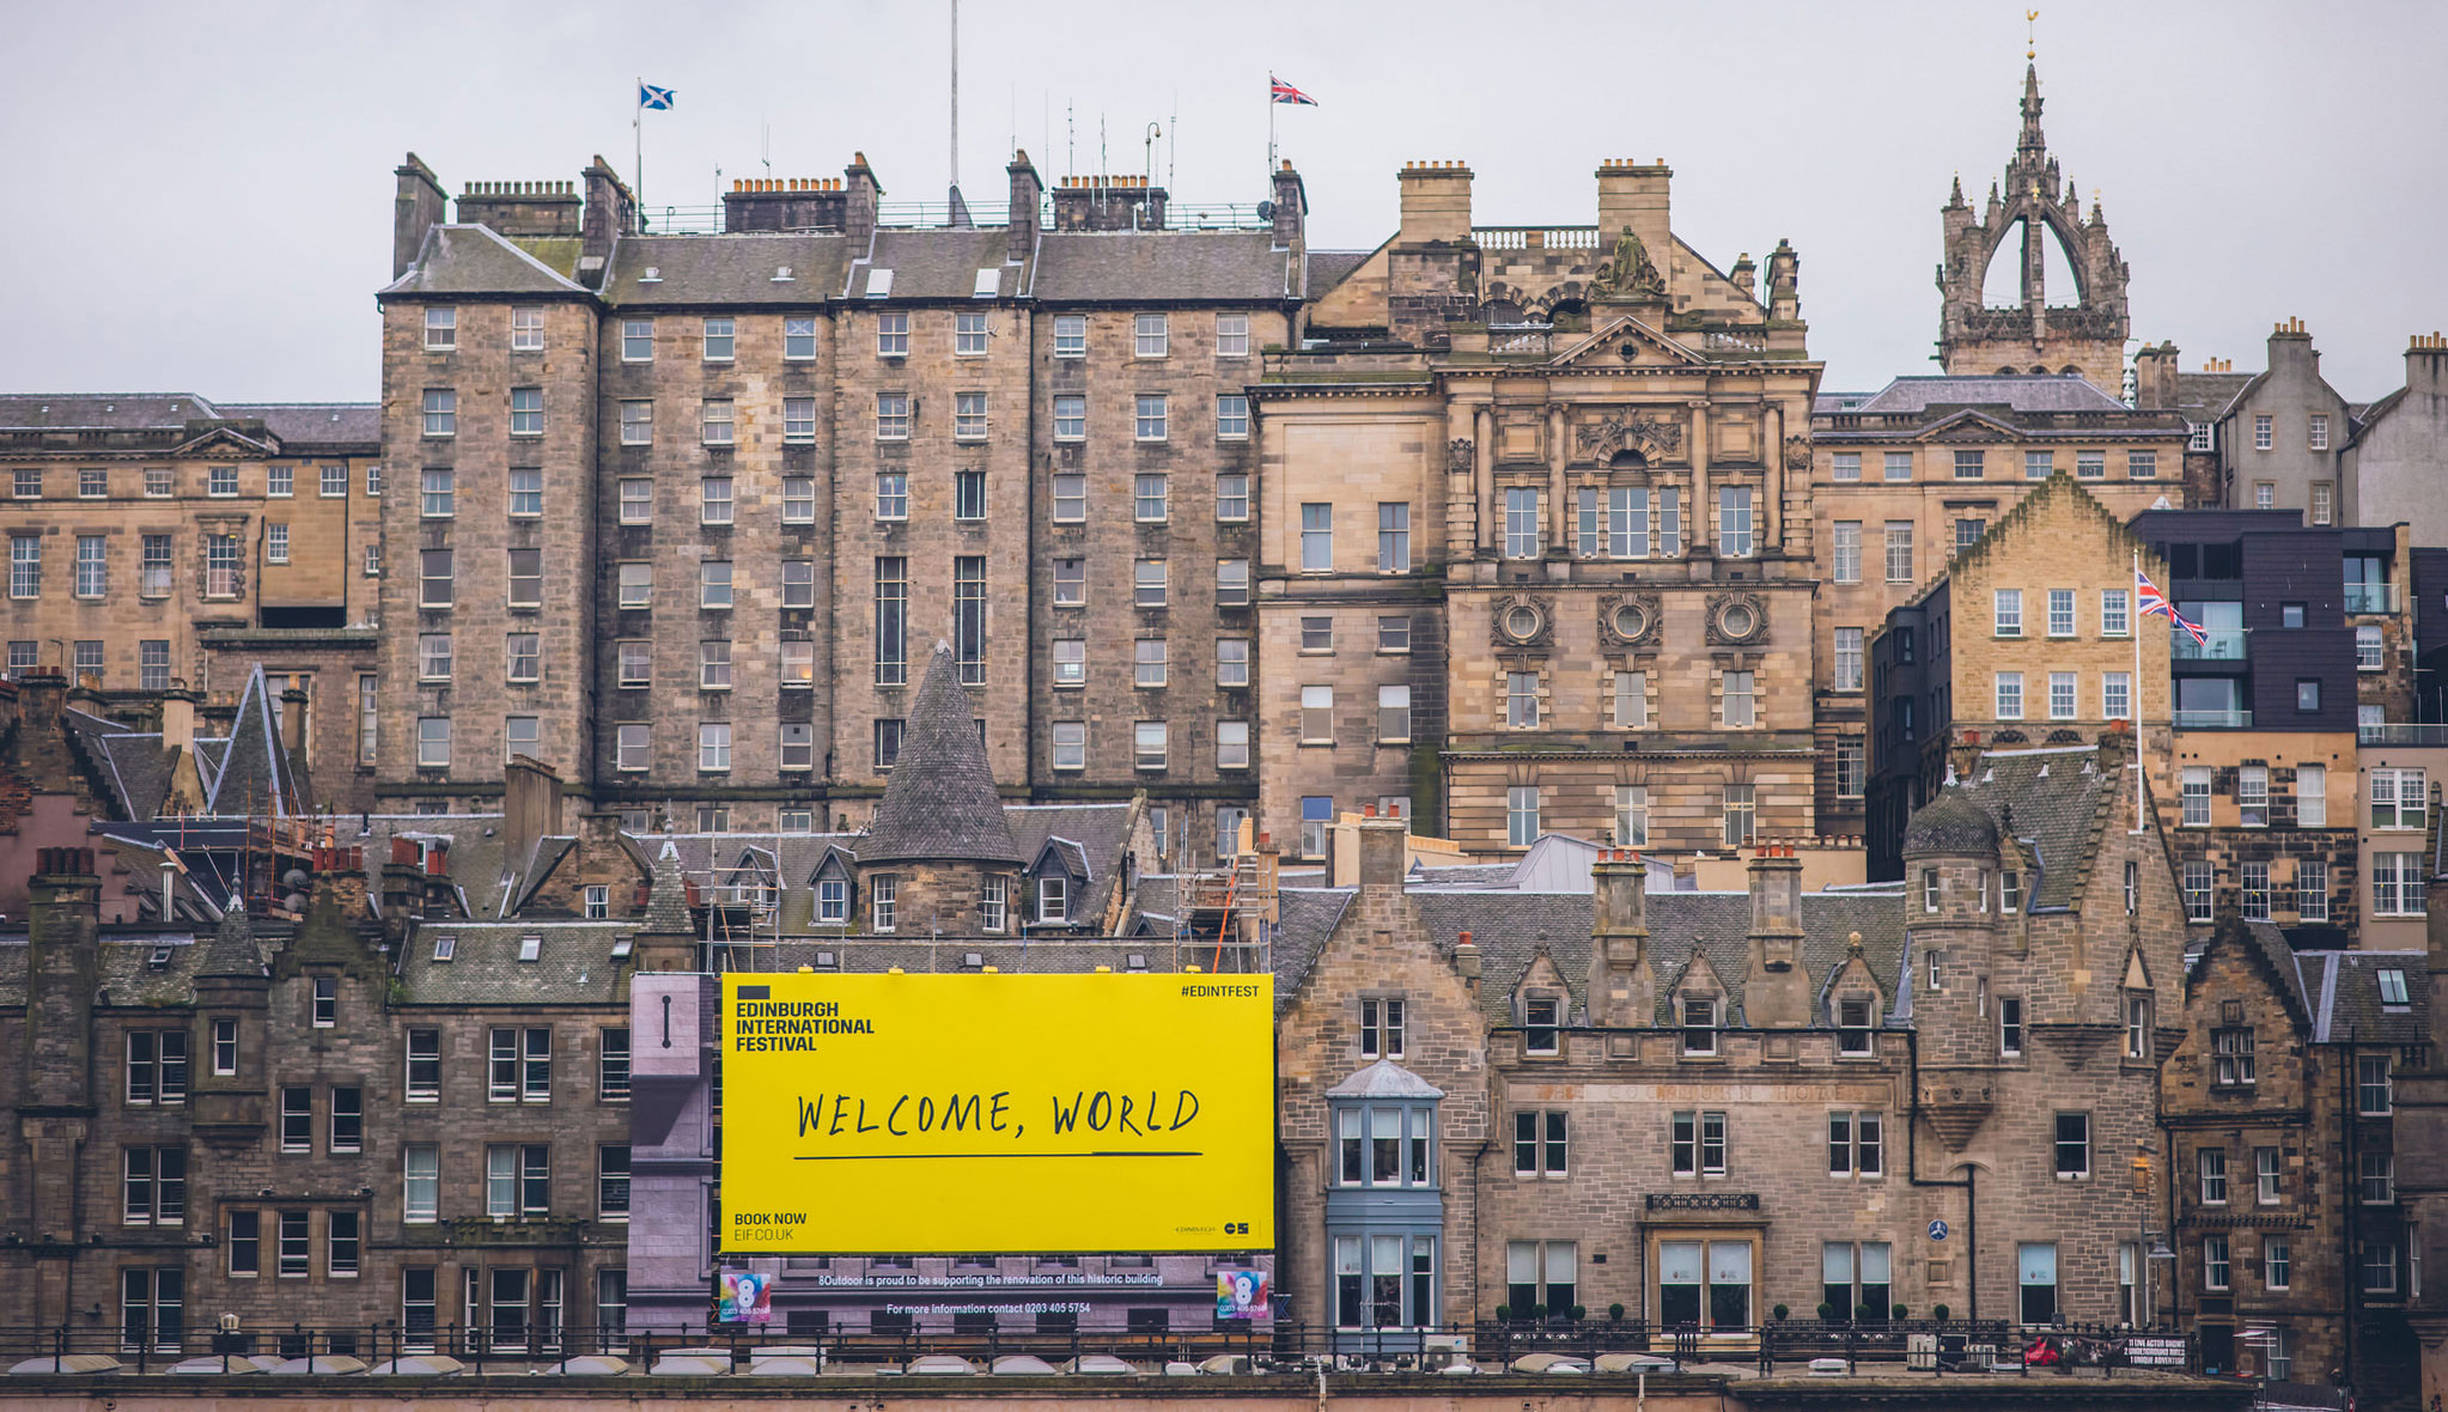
1538, 1311
1780, 1312
1898, 1312
1615, 1313
1827, 1312
1939, 1313
1504, 1313
1579, 1314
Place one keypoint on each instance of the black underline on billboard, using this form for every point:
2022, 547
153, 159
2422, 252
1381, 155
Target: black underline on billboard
972, 1156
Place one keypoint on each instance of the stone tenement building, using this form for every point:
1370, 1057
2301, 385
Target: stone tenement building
1702, 1106
2086, 338
308, 1124
2026, 638
1590, 445
2281, 1117
684, 512
160, 540
1907, 479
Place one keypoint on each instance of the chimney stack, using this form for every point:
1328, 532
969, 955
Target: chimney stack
1466, 962
62, 967
611, 212
2426, 361
1436, 203
1777, 990
1381, 849
1622, 987
1027, 197
531, 808
293, 723
859, 215
1291, 209
1638, 195
419, 207
178, 713
2155, 377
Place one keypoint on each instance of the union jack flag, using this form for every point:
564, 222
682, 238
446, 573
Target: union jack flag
2148, 600
1283, 92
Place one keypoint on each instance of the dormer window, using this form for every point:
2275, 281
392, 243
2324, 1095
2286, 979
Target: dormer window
1853, 1025
2010, 892
833, 902
1699, 1026
1542, 1024
1054, 900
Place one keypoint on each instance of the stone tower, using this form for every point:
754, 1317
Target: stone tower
2087, 336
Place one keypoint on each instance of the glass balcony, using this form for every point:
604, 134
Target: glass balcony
2401, 733
2217, 645
2371, 598
2225, 719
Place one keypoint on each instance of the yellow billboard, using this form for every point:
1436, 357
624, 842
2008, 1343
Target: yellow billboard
970, 1112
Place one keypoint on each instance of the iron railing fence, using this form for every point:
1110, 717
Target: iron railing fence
1939, 1347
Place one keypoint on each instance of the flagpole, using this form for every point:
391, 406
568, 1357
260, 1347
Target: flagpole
2138, 694
1271, 106
637, 130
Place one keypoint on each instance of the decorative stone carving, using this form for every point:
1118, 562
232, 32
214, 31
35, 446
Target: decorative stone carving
1521, 620
1627, 271
1736, 619
1619, 431
1628, 619
1460, 457
1797, 453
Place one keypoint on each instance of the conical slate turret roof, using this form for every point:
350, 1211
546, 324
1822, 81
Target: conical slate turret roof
941, 804
232, 951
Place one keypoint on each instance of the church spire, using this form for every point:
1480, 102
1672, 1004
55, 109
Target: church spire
2032, 142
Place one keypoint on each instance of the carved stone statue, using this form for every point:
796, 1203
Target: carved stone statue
1627, 272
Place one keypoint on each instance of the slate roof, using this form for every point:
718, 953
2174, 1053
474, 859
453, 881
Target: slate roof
1328, 268
1951, 824
574, 966
2048, 799
473, 259
941, 803
257, 775
134, 766
477, 866
300, 425
1510, 928
233, 950
935, 264
124, 973
2021, 393
1094, 267
1033, 955
2347, 985
297, 425
102, 411
730, 269
1098, 835
2281, 958
2204, 397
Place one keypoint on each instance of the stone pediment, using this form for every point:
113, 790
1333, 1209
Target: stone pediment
221, 438
1969, 427
1626, 342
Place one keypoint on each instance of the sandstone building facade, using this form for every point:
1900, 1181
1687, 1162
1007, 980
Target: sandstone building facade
161, 541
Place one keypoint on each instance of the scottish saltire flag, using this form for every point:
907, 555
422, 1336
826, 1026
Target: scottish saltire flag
1283, 92
2148, 600
650, 96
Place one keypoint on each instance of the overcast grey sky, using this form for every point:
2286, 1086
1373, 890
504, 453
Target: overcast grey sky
204, 192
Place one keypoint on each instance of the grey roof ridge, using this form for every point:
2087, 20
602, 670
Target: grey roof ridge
2328, 997
2045, 750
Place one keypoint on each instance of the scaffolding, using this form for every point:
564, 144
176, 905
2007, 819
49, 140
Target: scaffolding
1230, 910
743, 915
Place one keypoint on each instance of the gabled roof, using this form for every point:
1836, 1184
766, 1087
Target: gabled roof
941, 803
257, 775
474, 259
